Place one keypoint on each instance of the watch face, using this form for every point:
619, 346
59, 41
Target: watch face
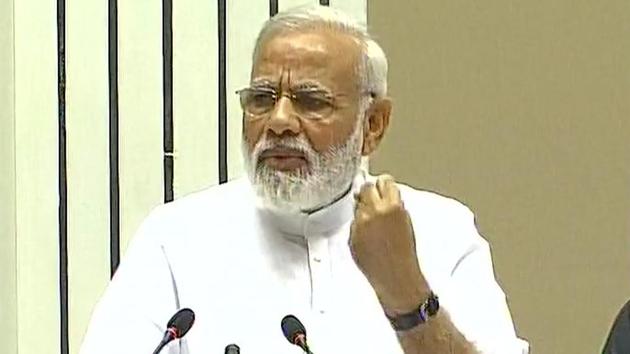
433, 304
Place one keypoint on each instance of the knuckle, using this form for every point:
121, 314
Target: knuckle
363, 219
381, 210
360, 219
386, 176
387, 208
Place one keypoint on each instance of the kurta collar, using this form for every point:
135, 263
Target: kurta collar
323, 222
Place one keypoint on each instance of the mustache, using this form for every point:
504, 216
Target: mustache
296, 144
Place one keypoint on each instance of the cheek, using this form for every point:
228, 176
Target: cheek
252, 131
323, 136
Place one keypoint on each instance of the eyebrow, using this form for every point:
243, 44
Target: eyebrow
309, 85
262, 83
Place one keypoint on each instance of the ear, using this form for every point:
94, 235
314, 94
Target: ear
376, 123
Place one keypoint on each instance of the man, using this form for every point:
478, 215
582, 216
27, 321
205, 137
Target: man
369, 266
618, 341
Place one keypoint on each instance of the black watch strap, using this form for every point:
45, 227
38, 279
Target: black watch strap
427, 309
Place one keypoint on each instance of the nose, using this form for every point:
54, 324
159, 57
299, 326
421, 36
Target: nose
283, 119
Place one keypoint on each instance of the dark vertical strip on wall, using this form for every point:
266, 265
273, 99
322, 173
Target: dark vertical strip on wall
114, 186
223, 172
324, 2
63, 185
273, 7
167, 54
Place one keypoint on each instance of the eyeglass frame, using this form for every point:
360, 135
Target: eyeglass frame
291, 95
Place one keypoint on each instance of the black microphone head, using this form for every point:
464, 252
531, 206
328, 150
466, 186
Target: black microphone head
182, 321
292, 328
232, 349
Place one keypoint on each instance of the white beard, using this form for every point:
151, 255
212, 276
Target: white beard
327, 177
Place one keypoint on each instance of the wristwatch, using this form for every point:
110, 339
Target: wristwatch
427, 309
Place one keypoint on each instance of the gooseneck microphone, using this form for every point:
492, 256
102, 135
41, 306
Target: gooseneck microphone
295, 332
177, 327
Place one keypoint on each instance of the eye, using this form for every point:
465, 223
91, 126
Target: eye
258, 101
313, 102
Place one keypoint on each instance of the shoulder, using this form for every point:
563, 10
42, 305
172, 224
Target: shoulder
213, 207
444, 228
214, 196
441, 208
223, 197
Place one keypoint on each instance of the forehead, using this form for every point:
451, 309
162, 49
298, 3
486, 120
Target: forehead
321, 55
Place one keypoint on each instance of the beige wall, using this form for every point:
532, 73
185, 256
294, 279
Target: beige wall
522, 111
8, 332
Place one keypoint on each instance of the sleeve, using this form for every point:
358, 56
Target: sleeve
456, 261
480, 309
131, 316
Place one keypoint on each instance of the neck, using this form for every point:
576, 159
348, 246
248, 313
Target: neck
335, 200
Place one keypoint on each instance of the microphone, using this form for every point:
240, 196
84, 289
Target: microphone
177, 327
295, 332
232, 349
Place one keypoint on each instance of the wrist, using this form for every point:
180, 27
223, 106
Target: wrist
423, 311
405, 300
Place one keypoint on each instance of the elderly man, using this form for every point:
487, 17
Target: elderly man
618, 341
368, 265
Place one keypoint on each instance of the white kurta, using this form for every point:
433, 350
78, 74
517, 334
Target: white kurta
242, 269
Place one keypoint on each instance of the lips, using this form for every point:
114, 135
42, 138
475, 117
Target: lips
282, 153
283, 159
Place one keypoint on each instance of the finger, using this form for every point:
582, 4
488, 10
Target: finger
360, 216
387, 189
369, 195
357, 201
359, 205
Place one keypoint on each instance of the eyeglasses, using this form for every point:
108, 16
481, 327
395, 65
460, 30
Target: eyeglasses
310, 103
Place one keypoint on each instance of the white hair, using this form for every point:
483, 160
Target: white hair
372, 69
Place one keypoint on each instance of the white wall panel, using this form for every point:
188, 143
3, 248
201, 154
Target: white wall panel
195, 119
37, 197
355, 8
87, 121
8, 265
287, 4
140, 112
